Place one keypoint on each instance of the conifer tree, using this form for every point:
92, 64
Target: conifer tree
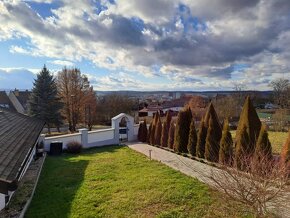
165, 130
226, 145
44, 102
142, 132
248, 130
211, 113
242, 148
153, 129
211, 143
182, 130
192, 139
170, 143
149, 132
263, 145
145, 131
201, 137
285, 154
158, 131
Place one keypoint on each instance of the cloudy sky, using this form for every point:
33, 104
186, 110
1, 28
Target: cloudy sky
147, 44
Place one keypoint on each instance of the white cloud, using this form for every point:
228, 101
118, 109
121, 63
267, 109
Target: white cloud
62, 63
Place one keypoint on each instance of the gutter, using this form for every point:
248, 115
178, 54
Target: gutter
25, 208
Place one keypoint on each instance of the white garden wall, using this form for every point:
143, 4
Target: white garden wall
97, 138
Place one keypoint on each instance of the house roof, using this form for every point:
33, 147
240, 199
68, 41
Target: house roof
5, 101
23, 97
18, 135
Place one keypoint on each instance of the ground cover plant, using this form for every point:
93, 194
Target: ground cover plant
119, 182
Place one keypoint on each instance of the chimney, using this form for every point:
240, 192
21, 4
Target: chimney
16, 92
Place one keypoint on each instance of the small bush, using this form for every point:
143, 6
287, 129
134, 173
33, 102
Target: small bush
74, 147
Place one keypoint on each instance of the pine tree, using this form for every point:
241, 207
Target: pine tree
44, 102
248, 130
182, 130
226, 145
263, 145
158, 131
285, 154
211, 143
165, 129
192, 139
170, 143
201, 137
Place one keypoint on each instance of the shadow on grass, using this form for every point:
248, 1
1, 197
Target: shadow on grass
60, 180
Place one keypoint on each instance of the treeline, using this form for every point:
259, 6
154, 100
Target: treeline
68, 98
212, 140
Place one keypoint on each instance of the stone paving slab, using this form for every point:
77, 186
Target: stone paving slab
190, 167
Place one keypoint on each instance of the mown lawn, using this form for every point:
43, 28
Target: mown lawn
277, 140
119, 182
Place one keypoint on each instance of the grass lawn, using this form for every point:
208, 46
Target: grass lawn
277, 140
119, 182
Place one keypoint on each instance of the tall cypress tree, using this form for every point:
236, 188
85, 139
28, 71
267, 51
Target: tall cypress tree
153, 129
165, 129
214, 134
170, 143
149, 133
44, 103
248, 130
158, 131
182, 130
192, 139
201, 137
211, 143
263, 145
226, 145
285, 154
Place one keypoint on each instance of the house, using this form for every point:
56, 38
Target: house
19, 100
19, 135
5, 101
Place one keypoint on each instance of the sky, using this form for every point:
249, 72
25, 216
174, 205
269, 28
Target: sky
147, 45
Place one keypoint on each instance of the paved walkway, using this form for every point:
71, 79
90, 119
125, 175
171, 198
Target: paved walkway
189, 167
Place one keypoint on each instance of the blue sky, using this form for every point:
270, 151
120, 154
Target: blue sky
147, 45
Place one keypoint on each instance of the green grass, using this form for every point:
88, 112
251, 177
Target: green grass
277, 140
119, 182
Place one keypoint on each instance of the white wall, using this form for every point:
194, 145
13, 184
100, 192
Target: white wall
100, 135
2, 201
97, 138
64, 139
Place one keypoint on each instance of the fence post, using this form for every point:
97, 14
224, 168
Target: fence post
84, 137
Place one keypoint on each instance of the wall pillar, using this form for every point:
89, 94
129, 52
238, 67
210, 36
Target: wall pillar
84, 136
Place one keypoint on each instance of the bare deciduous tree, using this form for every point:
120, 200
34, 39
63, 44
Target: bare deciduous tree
281, 89
261, 185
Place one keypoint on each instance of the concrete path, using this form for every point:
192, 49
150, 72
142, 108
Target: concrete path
191, 168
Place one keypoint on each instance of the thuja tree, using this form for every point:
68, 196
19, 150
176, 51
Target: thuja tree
200, 145
226, 145
263, 145
149, 132
285, 154
165, 129
44, 102
170, 143
214, 133
182, 130
248, 130
211, 143
142, 132
153, 129
158, 131
192, 139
